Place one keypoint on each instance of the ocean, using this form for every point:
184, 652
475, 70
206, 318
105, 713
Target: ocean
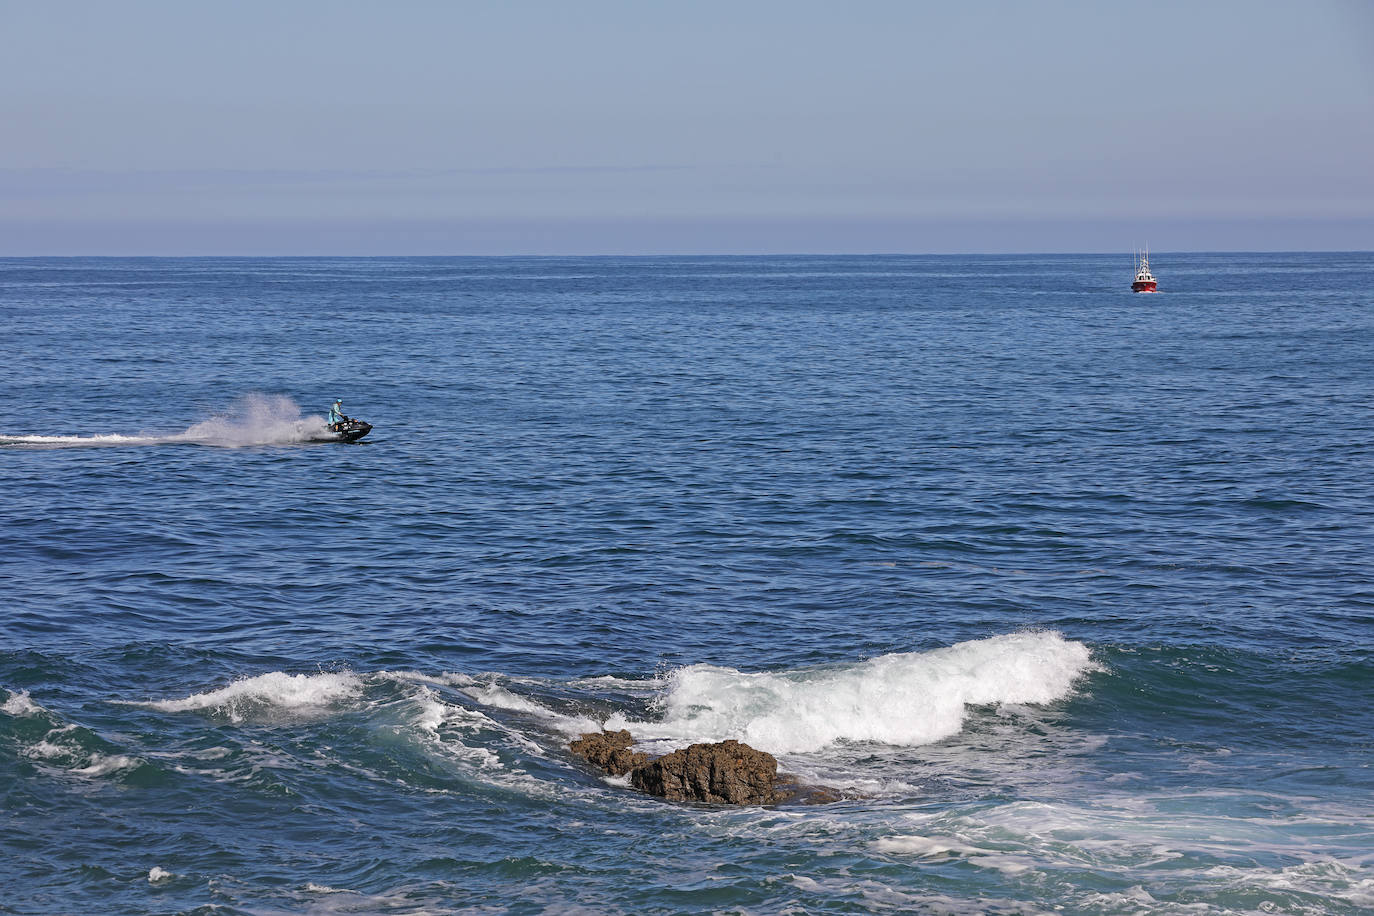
1067, 591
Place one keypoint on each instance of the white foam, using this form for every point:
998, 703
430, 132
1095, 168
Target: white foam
492, 695
1324, 854
433, 722
1328, 877
476, 745
326, 899
940, 847
66, 753
501, 698
841, 886
103, 765
64, 441
925, 847
618, 683
46, 750
158, 875
804, 883
904, 699
274, 690
432, 712
19, 704
445, 679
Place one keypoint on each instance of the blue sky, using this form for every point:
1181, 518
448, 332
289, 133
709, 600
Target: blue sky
314, 127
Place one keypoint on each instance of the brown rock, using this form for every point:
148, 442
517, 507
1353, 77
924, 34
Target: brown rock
609, 751
724, 773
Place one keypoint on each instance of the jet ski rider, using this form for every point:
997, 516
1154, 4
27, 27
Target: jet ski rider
336, 414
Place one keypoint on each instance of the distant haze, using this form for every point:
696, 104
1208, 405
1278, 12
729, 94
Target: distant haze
316, 127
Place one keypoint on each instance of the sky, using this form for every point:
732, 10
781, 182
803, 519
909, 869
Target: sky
420, 127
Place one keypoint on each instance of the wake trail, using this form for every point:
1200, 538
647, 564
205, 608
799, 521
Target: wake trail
254, 420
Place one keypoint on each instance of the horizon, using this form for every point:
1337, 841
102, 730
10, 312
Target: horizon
614, 128
695, 255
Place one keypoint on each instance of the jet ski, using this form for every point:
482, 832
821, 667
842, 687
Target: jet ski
350, 430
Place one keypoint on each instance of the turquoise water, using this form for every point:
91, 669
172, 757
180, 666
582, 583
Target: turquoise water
1068, 589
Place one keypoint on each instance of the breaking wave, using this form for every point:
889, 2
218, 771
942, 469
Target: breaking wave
19, 704
256, 419
265, 693
901, 699
905, 699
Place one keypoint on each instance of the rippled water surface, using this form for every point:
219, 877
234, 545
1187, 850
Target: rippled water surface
1068, 590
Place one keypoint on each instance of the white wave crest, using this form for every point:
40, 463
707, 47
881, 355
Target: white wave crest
905, 699
446, 679
274, 690
19, 704
314, 888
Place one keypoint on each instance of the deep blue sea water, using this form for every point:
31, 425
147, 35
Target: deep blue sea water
1069, 590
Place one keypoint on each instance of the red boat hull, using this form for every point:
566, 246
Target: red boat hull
1143, 286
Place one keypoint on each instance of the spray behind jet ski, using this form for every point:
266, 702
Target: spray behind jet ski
254, 420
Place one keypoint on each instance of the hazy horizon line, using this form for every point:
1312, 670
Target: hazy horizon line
683, 255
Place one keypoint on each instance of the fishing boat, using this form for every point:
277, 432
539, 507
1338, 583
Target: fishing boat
1144, 280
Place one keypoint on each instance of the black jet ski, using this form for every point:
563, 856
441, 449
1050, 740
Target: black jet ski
350, 430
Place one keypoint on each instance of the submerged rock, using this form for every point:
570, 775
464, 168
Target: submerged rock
723, 773
797, 793
610, 751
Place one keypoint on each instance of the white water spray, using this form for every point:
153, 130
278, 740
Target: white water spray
254, 420
257, 419
267, 693
904, 699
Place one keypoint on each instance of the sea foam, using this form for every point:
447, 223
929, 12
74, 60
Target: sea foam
19, 704
274, 690
499, 698
904, 699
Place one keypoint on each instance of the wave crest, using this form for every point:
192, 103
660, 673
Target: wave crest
265, 692
905, 699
